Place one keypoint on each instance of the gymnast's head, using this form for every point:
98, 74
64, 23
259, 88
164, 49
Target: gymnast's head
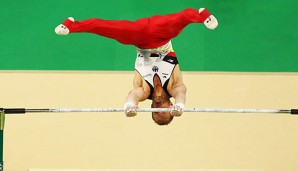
162, 101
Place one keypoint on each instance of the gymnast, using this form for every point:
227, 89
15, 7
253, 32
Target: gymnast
157, 75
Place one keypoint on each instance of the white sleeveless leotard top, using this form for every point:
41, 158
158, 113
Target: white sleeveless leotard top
151, 62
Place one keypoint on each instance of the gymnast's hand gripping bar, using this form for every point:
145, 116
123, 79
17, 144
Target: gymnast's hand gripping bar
211, 110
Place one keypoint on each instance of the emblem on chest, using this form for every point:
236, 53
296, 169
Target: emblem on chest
155, 69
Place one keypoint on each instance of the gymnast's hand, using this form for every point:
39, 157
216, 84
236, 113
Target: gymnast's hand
130, 109
177, 109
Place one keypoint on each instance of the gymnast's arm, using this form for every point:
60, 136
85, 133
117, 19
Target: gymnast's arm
136, 95
177, 90
179, 93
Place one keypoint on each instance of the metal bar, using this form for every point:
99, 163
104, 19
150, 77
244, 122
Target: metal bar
216, 110
211, 110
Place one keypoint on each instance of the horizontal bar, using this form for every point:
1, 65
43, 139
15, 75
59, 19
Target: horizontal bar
170, 109
211, 110
161, 110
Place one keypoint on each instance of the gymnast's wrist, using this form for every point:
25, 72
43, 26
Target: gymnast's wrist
129, 104
180, 105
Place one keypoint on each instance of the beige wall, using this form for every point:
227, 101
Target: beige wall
112, 141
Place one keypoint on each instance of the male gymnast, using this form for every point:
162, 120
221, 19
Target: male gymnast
157, 75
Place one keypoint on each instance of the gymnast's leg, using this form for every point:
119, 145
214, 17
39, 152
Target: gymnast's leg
124, 31
144, 33
169, 26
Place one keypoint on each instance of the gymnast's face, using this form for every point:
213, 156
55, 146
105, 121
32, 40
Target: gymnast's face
161, 118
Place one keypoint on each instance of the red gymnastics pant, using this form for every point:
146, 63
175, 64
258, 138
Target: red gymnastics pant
146, 33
